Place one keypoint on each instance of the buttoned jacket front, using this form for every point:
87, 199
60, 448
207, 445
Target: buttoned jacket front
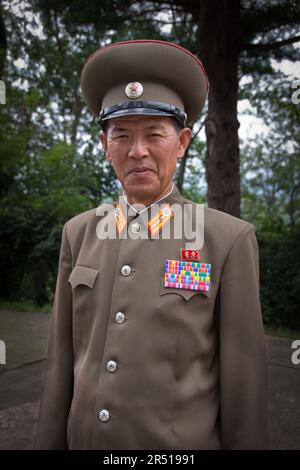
132, 364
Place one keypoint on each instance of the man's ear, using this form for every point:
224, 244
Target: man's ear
103, 140
185, 136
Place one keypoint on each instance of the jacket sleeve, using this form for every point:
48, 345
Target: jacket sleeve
243, 368
57, 389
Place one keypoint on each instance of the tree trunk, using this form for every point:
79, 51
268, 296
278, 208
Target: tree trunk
3, 43
218, 45
181, 172
77, 109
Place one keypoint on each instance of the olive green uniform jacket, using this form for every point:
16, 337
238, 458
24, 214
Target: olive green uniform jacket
190, 366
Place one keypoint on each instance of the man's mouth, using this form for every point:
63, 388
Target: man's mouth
140, 171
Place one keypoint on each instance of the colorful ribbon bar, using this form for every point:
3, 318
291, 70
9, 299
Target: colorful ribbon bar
187, 275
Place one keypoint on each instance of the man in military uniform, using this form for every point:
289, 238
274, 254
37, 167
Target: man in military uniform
153, 345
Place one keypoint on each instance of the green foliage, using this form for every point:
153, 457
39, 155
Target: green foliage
280, 278
271, 197
47, 173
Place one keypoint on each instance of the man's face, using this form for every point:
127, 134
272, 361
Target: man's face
143, 151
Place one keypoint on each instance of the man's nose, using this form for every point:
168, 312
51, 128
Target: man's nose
138, 148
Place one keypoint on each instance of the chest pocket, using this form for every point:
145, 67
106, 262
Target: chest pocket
186, 294
83, 275
82, 280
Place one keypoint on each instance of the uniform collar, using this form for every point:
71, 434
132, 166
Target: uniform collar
157, 215
150, 205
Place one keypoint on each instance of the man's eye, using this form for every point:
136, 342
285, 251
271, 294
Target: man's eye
154, 135
121, 136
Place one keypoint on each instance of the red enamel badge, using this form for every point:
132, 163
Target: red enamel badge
189, 254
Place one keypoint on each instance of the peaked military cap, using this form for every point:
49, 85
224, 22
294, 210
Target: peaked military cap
144, 77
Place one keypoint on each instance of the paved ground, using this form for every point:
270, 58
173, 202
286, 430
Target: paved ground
26, 336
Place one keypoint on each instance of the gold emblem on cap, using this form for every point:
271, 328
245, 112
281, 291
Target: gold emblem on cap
134, 90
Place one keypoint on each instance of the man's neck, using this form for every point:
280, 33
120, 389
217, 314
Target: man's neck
148, 202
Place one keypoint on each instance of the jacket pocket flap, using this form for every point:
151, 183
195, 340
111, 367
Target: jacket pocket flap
185, 293
83, 275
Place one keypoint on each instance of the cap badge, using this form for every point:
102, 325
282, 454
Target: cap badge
134, 90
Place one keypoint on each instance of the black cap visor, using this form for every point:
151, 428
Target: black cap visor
142, 108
